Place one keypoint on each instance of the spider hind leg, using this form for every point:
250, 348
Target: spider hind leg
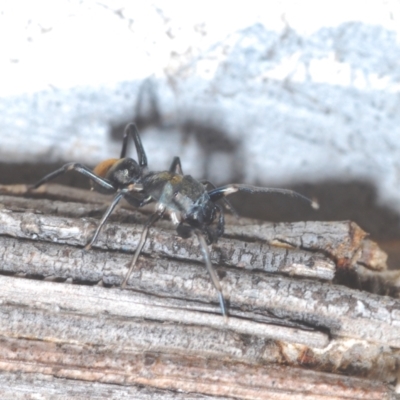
131, 130
80, 168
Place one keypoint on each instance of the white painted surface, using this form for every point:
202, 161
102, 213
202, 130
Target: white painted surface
303, 91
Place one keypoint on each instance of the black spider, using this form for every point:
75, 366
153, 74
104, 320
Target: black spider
191, 207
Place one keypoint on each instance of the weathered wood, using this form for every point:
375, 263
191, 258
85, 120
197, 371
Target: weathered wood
342, 311
342, 243
162, 242
96, 301
27, 386
129, 321
165, 332
193, 375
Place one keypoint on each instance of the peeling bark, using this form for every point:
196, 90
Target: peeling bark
165, 331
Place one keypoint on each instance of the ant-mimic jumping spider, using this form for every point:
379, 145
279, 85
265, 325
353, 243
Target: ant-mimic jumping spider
191, 207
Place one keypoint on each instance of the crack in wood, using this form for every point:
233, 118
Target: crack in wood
166, 328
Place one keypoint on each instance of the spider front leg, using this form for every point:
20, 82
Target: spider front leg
82, 169
221, 192
228, 204
213, 233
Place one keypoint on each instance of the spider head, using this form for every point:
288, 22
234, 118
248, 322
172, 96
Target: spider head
202, 212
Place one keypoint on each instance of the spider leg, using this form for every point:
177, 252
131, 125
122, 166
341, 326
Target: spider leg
153, 218
228, 204
78, 168
136, 202
176, 166
219, 193
213, 275
133, 132
221, 221
106, 215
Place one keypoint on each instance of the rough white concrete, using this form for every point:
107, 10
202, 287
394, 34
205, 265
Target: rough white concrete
290, 91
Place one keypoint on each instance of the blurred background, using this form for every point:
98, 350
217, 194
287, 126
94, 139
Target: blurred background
302, 95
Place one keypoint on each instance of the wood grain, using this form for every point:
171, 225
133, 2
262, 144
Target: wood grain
291, 329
